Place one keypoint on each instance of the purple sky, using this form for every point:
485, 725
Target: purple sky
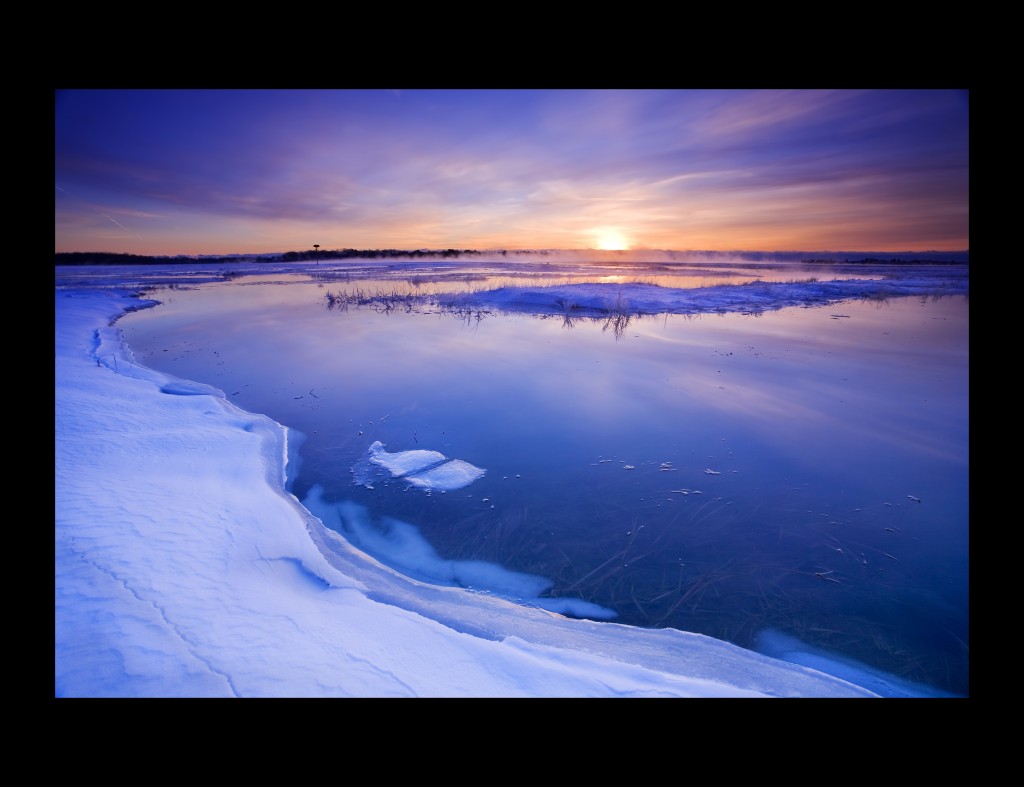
250, 171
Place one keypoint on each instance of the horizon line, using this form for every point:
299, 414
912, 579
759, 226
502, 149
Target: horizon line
439, 250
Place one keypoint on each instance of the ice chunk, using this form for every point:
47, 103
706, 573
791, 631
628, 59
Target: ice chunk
450, 475
402, 463
427, 470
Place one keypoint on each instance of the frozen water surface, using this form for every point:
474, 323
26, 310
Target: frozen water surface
698, 452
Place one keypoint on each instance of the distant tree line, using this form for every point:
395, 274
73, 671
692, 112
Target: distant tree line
110, 258
345, 254
113, 258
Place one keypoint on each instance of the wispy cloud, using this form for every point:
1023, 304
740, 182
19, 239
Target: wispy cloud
515, 169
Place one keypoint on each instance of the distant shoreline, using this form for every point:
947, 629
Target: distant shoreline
637, 255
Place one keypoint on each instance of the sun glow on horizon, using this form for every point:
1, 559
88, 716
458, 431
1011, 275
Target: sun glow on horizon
611, 240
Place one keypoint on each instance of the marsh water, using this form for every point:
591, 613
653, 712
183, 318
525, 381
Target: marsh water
804, 470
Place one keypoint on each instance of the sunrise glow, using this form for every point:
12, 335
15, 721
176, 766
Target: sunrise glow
164, 172
612, 240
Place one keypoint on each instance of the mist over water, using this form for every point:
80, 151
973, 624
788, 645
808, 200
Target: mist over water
804, 471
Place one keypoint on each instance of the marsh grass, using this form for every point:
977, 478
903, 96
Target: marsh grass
616, 313
380, 302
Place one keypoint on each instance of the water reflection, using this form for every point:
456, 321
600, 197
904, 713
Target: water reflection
804, 471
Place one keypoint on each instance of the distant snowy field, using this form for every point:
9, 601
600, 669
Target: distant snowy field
184, 568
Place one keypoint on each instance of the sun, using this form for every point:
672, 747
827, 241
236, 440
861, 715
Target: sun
611, 240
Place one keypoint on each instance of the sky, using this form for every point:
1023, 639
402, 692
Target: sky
168, 172
184, 567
